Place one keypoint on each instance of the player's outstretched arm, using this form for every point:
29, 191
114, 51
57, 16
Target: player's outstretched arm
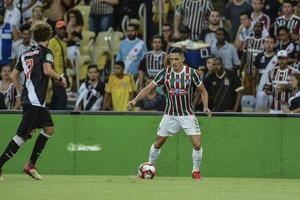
47, 68
204, 97
141, 95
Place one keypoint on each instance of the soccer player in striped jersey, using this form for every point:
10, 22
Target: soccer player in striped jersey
179, 81
152, 62
195, 16
289, 20
279, 83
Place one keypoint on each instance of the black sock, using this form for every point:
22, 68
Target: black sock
39, 145
9, 152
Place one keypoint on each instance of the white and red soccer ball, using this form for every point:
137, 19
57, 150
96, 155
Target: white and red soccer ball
146, 171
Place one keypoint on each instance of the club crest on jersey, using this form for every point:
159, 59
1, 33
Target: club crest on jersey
226, 81
177, 92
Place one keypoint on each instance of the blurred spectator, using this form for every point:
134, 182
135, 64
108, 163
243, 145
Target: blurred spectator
26, 7
12, 13
59, 49
232, 15
224, 89
6, 37
195, 17
23, 44
292, 48
132, 50
119, 89
226, 51
259, 15
279, 83
208, 35
9, 99
57, 10
153, 101
271, 8
263, 64
253, 46
74, 36
91, 92
294, 101
167, 32
37, 15
208, 70
246, 30
289, 20
131, 9
101, 15
152, 62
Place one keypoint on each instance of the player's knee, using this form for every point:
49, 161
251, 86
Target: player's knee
49, 130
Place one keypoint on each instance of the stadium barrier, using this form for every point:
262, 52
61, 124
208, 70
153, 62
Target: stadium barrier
107, 143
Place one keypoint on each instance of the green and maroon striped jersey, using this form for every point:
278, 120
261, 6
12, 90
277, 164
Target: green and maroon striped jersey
179, 89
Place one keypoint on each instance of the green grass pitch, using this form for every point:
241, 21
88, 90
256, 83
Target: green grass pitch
62, 187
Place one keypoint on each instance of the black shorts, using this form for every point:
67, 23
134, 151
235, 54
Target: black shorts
33, 117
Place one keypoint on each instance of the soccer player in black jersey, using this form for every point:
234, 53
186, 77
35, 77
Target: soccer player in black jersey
37, 65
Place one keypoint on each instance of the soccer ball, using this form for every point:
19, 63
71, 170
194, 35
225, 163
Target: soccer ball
146, 171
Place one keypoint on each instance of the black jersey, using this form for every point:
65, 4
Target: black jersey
36, 82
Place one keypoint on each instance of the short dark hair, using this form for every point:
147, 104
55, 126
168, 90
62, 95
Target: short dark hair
271, 37
219, 59
226, 35
136, 27
121, 63
289, 2
247, 14
176, 50
92, 66
282, 28
41, 31
156, 37
25, 27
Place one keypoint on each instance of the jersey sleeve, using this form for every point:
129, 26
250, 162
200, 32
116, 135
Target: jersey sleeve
19, 66
160, 77
47, 57
196, 78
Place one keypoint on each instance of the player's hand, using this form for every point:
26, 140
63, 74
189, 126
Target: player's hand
63, 81
131, 104
207, 111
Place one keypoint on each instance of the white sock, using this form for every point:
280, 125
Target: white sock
18, 140
153, 154
197, 158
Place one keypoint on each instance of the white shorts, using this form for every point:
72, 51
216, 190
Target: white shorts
170, 125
